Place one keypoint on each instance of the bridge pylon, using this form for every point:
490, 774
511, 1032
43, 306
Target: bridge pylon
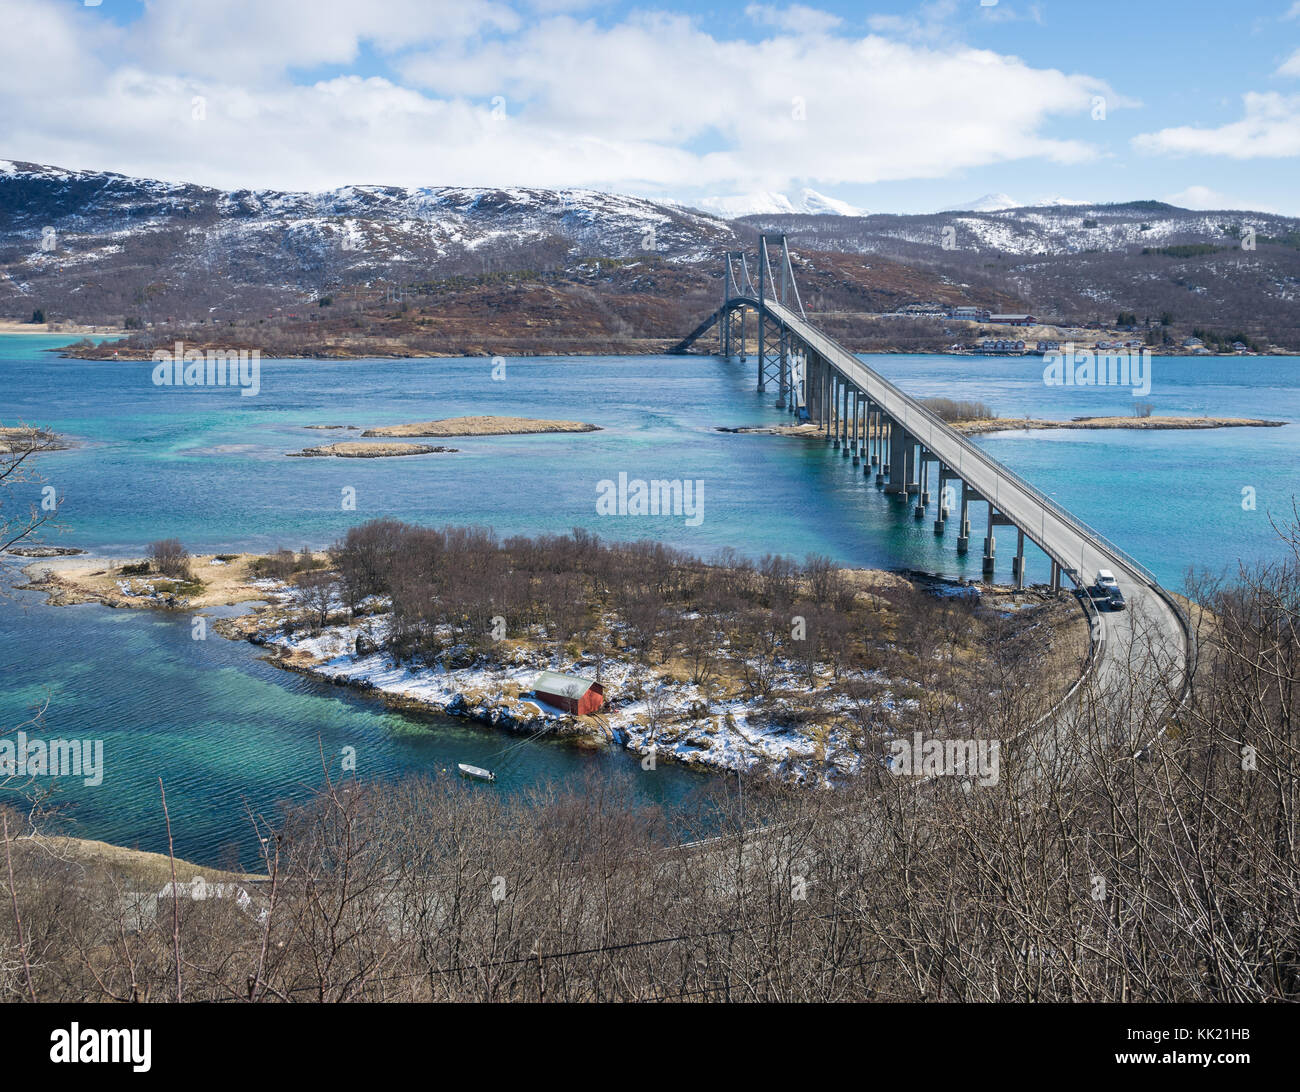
774, 351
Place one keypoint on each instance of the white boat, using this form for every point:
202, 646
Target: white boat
476, 772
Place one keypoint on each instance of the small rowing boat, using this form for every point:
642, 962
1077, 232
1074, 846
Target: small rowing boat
476, 772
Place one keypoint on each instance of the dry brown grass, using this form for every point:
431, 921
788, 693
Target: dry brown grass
95, 580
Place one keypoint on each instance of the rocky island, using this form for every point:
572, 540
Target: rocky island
355, 449
481, 426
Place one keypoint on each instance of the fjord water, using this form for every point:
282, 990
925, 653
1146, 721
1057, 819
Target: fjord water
208, 466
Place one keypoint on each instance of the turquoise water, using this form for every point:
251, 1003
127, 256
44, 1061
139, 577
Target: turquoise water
208, 466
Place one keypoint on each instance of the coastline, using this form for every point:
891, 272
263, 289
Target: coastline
657, 712
1140, 424
10, 326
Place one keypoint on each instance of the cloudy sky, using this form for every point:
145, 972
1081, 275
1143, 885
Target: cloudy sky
894, 107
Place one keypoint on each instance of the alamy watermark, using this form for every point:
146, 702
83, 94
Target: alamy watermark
182, 367
1069, 367
656, 497
921, 757
24, 757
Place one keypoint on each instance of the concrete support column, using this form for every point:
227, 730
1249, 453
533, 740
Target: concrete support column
941, 515
819, 385
990, 545
834, 391
1056, 578
1018, 562
896, 468
913, 475
869, 448
922, 479
963, 522
882, 467
850, 419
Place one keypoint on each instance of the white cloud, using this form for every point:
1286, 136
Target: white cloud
1291, 66
1203, 197
255, 37
1198, 197
1269, 129
650, 103
931, 21
795, 19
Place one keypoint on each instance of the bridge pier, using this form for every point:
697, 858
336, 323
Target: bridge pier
896, 468
1018, 562
819, 385
1056, 578
941, 516
857, 427
850, 418
923, 482
913, 475
830, 405
963, 520
990, 545
997, 519
869, 456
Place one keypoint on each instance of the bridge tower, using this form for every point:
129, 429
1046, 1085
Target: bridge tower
734, 329
774, 354
730, 290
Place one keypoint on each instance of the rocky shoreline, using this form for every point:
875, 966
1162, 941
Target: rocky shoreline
654, 714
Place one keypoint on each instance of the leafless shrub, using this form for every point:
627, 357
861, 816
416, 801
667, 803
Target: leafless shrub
170, 558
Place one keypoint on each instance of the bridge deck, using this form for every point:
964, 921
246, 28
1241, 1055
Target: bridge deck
1059, 533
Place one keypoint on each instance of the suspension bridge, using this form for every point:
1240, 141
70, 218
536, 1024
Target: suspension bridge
917, 457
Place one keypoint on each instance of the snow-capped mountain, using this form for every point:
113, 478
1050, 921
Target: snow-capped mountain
94, 232
103, 246
990, 202
1233, 269
1000, 202
808, 202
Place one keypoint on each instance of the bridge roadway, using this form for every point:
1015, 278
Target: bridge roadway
1152, 615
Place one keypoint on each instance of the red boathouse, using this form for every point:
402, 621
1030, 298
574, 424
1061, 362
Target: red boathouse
572, 693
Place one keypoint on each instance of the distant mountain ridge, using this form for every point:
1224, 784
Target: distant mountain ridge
117, 241
97, 246
1224, 269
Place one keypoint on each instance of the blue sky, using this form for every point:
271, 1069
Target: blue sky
894, 107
